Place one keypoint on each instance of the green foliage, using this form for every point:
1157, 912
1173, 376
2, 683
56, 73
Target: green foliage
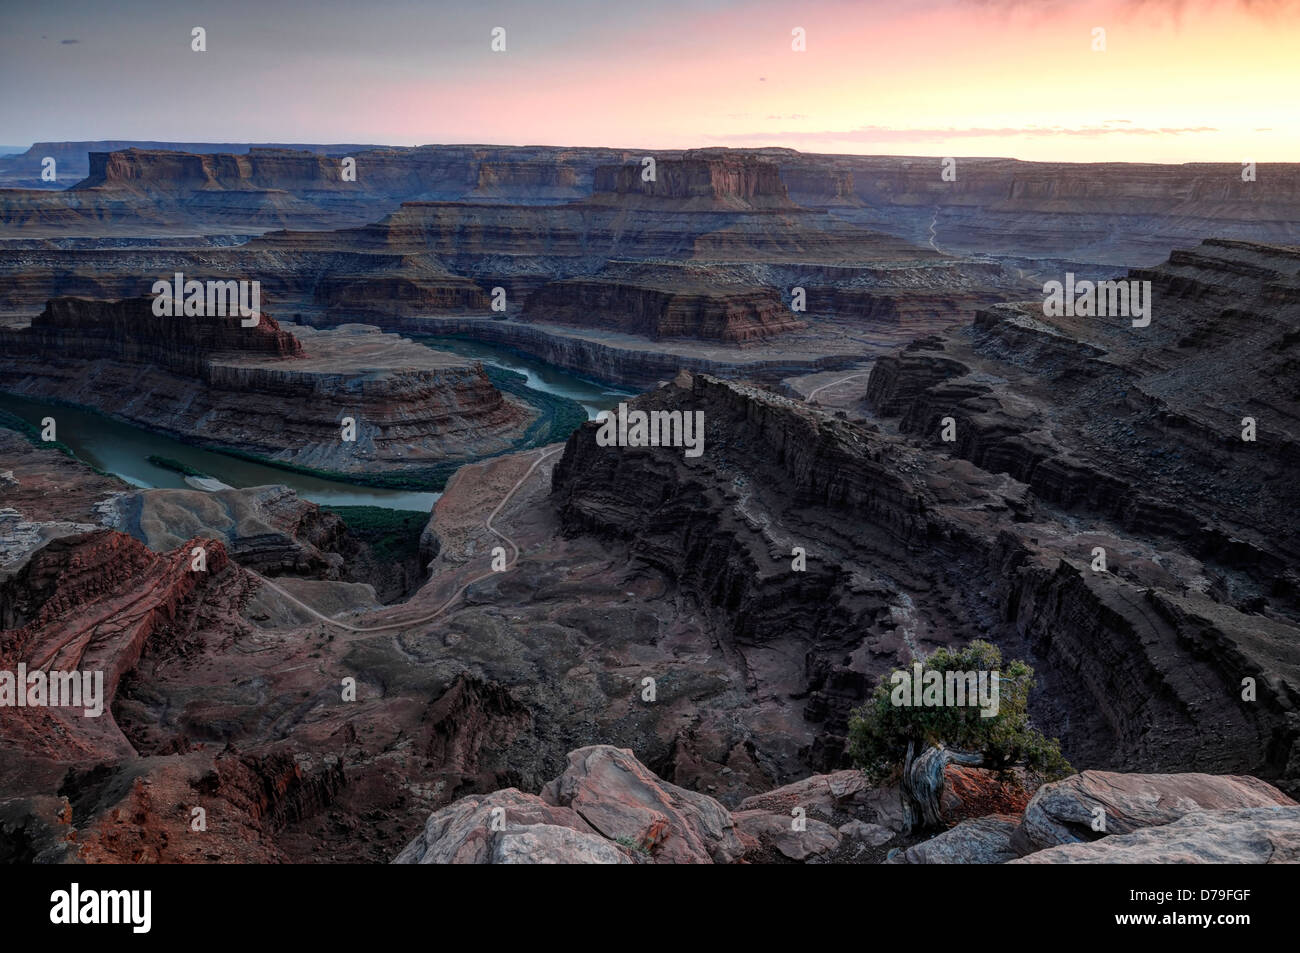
393, 535
29, 430
559, 418
633, 845
32, 433
879, 731
167, 463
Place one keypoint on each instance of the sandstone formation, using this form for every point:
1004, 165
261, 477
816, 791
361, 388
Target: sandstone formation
1260, 835
664, 669
107, 188
505, 679
55, 610
1134, 435
1033, 212
44, 494
465, 833
266, 528
658, 307
983, 840
620, 798
73, 159
696, 181
259, 390
607, 808
1100, 213
722, 528
709, 259
1071, 811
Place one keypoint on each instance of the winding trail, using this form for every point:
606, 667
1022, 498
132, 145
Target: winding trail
934, 222
817, 390
388, 627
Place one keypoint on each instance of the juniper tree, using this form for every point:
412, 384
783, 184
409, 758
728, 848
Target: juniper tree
905, 729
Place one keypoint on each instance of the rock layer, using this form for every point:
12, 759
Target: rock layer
259, 390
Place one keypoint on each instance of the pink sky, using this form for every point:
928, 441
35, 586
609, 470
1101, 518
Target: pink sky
1179, 80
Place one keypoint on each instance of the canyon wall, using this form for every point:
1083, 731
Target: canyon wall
1093, 214
713, 313
260, 390
912, 550
694, 181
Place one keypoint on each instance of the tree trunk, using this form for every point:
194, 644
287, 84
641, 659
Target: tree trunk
922, 785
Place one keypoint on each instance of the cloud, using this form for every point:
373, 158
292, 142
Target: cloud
889, 134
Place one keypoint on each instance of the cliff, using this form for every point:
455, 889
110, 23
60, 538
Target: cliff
128, 330
261, 390
658, 306
698, 183
909, 549
1095, 213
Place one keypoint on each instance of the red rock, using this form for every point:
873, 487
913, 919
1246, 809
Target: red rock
1070, 811
778, 831
622, 799
697, 181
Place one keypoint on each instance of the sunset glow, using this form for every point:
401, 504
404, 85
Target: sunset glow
1176, 82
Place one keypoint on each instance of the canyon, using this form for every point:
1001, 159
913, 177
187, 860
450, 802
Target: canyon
260, 390
635, 654
711, 259
1100, 215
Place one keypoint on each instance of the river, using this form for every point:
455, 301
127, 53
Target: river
593, 396
122, 449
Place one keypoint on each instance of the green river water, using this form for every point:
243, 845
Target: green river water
123, 449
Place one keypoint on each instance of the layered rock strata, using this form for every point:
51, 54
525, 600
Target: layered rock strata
260, 390
917, 549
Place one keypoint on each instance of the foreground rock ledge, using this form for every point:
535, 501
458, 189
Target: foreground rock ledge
608, 808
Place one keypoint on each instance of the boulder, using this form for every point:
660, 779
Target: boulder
827, 792
552, 844
623, 800
462, 833
873, 834
1257, 835
984, 840
778, 832
1067, 811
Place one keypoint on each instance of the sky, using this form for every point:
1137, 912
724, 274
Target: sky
1177, 80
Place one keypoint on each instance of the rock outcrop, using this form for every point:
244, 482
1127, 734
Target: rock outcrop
260, 390
44, 494
655, 308
56, 606
267, 528
1260, 835
982, 840
1100, 214
603, 793
696, 181
723, 526
622, 799
1134, 436
607, 808
1096, 804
